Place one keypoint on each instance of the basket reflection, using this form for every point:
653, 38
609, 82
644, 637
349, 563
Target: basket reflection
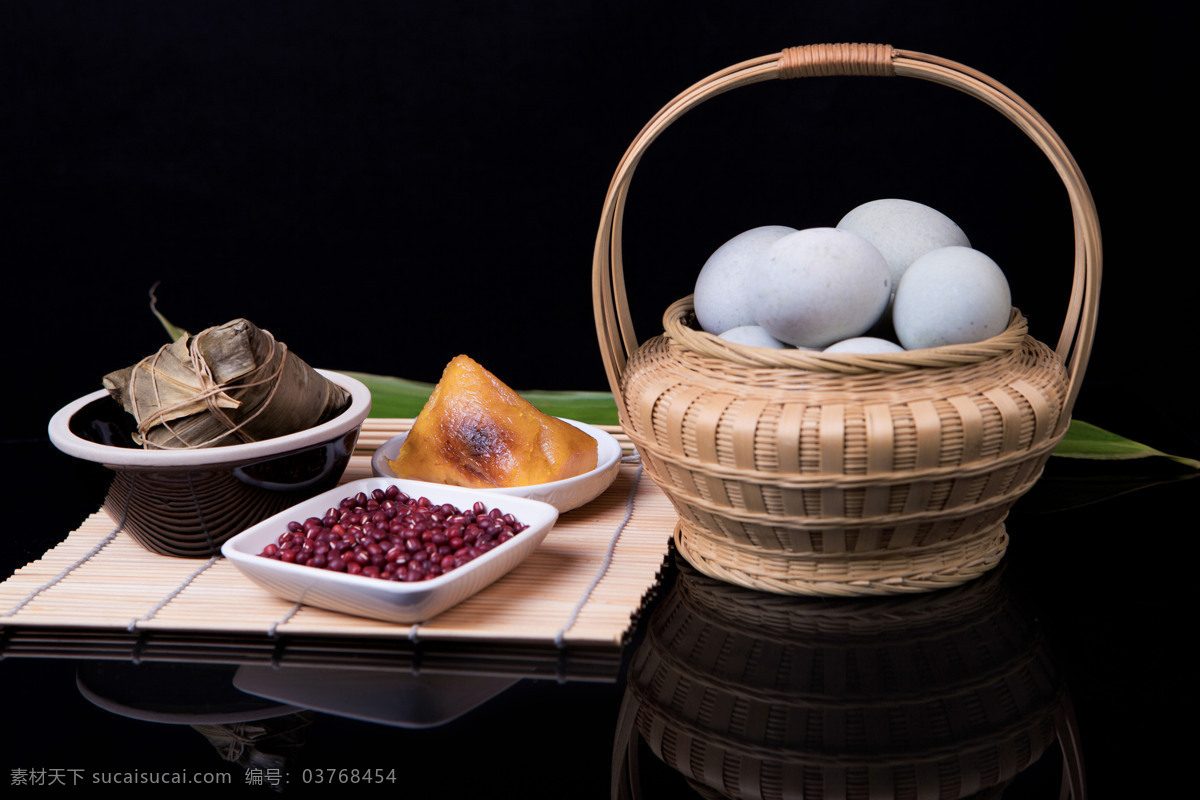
749, 694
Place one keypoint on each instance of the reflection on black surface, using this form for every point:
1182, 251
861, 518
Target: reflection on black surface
250, 731
1076, 483
750, 695
386, 697
172, 692
232, 695
558, 734
269, 746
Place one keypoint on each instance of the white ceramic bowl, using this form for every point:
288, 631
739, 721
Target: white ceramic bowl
391, 601
186, 503
564, 495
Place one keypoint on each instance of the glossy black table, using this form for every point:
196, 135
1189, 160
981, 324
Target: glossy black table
1071, 655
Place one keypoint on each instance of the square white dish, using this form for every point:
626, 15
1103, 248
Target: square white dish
392, 601
565, 495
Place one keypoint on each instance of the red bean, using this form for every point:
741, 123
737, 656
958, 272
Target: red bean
388, 535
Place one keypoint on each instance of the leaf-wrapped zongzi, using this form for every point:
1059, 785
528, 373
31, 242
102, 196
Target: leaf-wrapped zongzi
228, 384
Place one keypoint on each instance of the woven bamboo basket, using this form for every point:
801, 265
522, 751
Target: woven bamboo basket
807, 473
934, 696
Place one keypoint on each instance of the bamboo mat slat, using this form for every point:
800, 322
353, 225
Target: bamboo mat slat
584, 586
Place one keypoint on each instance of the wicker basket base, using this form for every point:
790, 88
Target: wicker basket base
890, 572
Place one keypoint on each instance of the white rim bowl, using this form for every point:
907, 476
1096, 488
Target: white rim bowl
67, 441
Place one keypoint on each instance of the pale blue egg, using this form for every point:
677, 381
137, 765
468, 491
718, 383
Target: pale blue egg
952, 295
753, 335
819, 285
903, 230
864, 345
720, 298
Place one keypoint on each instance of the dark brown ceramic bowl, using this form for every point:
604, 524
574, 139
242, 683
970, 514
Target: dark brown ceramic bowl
189, 502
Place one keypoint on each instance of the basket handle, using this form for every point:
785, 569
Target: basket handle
614, 326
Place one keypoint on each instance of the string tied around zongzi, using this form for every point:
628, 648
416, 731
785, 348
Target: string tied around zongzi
228, 384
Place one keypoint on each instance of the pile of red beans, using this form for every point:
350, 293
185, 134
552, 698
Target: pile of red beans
392, 536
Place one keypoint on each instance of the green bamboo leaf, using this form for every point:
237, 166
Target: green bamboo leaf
393, 397
397, 397
1084, 440
594, 408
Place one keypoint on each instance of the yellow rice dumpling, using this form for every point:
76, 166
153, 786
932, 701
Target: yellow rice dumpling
475, 431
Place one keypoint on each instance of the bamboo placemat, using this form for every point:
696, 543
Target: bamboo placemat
582, 589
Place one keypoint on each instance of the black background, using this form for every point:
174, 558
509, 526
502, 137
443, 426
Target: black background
384, 185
